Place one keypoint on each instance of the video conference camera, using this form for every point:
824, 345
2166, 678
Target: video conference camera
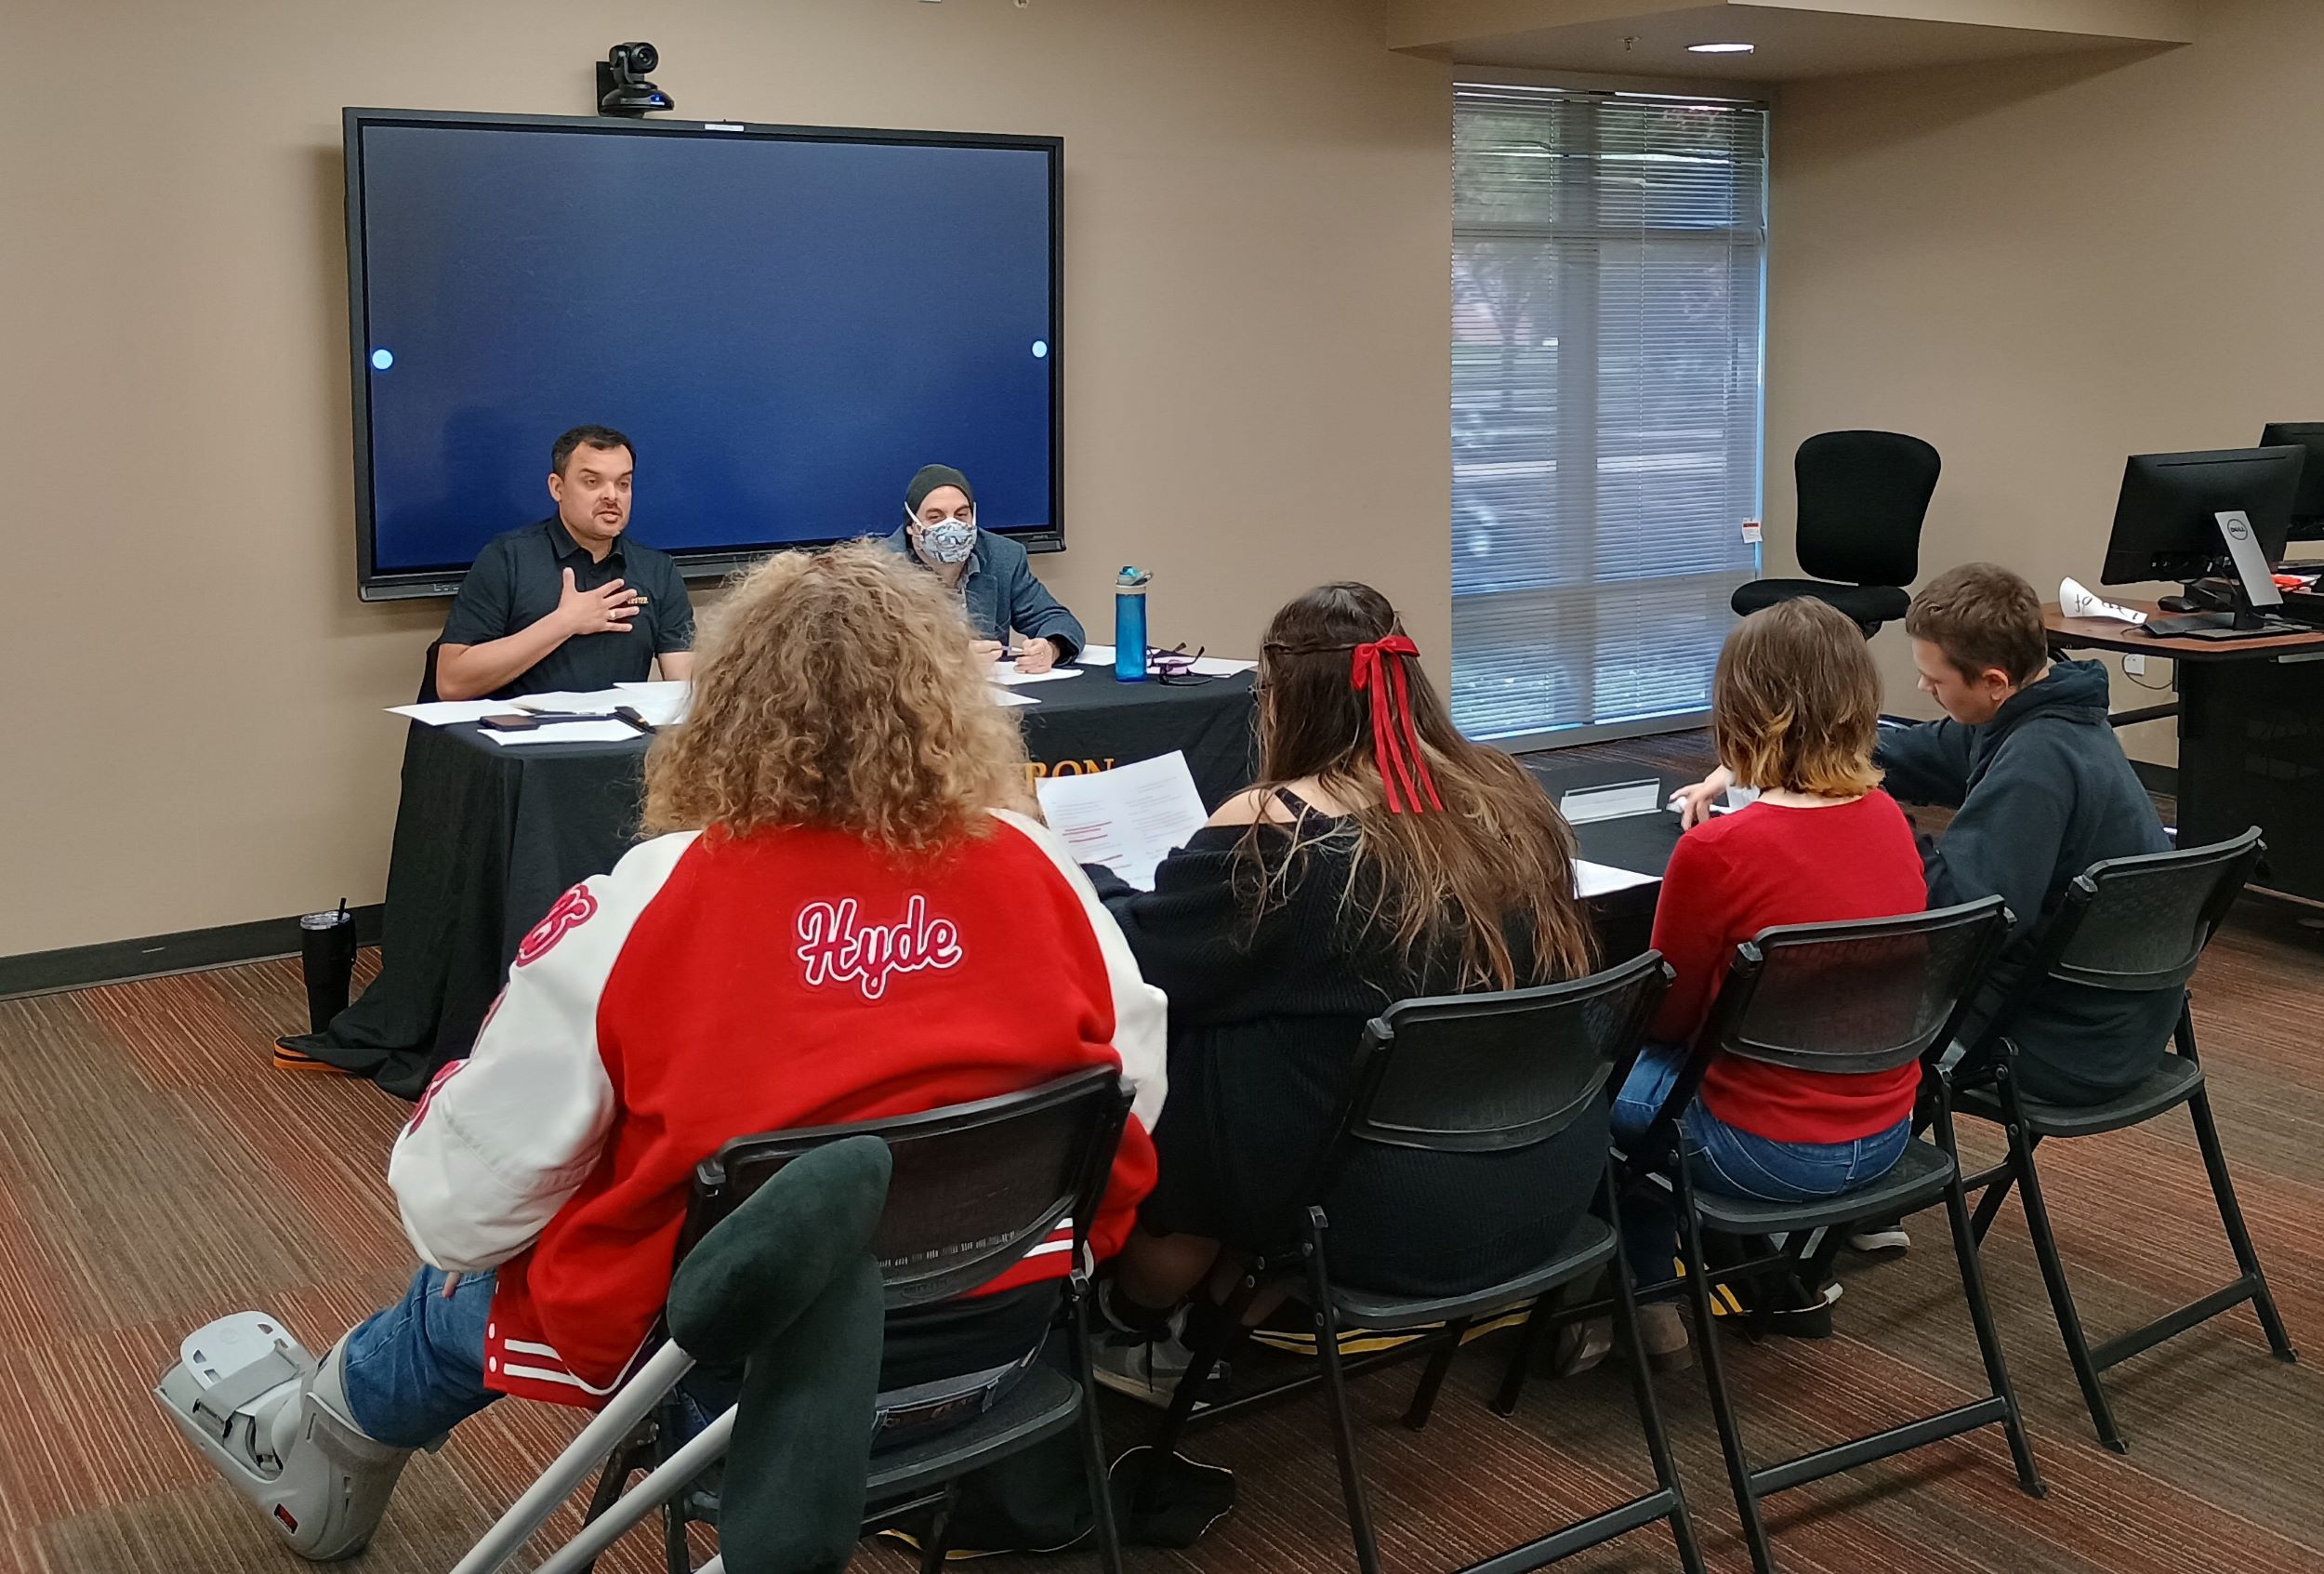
622, 88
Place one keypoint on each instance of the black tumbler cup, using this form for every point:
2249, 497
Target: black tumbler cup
326, 954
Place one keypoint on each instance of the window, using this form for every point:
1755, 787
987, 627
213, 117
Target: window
1608, 257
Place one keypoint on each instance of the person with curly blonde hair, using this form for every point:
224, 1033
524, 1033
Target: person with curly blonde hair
836, 915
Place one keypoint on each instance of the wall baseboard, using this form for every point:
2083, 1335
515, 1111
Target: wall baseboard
192, 950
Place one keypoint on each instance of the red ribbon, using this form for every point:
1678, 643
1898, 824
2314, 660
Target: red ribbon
1393, 733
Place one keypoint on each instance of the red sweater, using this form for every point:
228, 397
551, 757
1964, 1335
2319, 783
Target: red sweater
710, 987
1767, 865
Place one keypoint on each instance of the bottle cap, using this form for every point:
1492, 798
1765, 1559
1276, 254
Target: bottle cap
1130, 578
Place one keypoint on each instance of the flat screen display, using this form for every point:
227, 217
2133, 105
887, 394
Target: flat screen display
787, 322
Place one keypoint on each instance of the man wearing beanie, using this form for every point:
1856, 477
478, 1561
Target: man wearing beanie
991, 573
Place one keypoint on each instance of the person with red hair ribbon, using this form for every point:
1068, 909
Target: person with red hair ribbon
1395, 738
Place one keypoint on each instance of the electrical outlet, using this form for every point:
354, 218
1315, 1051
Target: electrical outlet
2135, 666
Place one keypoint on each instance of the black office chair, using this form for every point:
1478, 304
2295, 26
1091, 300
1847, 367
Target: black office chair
428, 694
1862, 499
975, 1188
1474, 1074
2136, 923
1867, 996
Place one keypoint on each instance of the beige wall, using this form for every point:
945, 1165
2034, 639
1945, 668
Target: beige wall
1258, 227
2043, 267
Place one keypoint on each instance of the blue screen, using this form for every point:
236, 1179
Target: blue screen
787, 329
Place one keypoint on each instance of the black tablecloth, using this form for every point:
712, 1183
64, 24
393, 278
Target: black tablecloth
1641, 843
487, 837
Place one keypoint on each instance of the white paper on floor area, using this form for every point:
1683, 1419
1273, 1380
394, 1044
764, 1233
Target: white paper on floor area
568, 731
447, 712
1596, 879
1128, 818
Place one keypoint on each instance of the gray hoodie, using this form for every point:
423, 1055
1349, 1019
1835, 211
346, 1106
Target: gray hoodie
2042, 791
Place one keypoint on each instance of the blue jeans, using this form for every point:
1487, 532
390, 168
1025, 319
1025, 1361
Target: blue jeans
416, 1369
1729, 1161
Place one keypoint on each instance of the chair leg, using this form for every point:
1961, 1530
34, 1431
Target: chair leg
2223, 1192
2061, 1296
1990, 1205
1092, 1439
1632, 1349
938, 1541
1714, 1378
1521, 1355
1431, 1380
677, 1555
1989, 1338
1211, 1345
619, 1466
1336, 1400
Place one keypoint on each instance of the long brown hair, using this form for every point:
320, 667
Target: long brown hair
836, 689
1497, 851
1796, 703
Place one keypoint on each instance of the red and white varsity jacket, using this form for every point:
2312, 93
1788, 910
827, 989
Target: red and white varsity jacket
713, 987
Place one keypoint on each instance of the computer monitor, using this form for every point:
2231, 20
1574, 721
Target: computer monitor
2166, 523
2308, 504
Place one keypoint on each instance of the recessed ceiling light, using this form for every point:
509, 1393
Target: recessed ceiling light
1719, 49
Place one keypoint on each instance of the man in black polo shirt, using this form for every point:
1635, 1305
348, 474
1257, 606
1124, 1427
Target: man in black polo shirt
568, 603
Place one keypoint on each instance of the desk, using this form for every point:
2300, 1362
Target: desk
2251, 717
487, 837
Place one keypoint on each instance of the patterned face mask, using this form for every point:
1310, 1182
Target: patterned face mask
948, 541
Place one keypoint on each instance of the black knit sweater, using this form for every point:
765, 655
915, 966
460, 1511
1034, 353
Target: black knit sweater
1265, 1018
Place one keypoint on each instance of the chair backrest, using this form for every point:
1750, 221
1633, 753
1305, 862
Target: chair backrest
1490, 1073
427, 675
1862, 499
976, 1187
1854, 998
2142, 922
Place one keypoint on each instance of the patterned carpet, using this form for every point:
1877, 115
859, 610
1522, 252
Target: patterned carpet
155, 1172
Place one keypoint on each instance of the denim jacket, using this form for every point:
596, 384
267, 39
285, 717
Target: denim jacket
999, 592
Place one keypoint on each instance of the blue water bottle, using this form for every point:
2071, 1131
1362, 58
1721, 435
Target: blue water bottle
1129, 624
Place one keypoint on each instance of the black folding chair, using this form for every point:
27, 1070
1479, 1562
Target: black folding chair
1855, 997
976, 1188
2137, 923
1453, 1075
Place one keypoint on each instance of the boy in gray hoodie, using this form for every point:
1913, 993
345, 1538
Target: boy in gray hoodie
2040, 790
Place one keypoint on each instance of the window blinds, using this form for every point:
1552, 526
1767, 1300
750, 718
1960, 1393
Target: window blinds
1608, 254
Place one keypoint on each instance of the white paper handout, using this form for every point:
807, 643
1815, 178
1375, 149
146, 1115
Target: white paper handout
573, 702
1004, 673
1611, 802
661, 704
567, 732
449, 712
1596, 879
1206, 666
1011, 697
1128, 818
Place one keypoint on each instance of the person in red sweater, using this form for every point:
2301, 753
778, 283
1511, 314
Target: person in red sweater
838, 915
1795, 708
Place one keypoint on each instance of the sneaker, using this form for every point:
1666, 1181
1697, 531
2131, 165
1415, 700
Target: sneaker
1886, 1240
1149, 1370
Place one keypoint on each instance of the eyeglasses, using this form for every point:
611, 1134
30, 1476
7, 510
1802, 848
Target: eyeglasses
1174, 666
